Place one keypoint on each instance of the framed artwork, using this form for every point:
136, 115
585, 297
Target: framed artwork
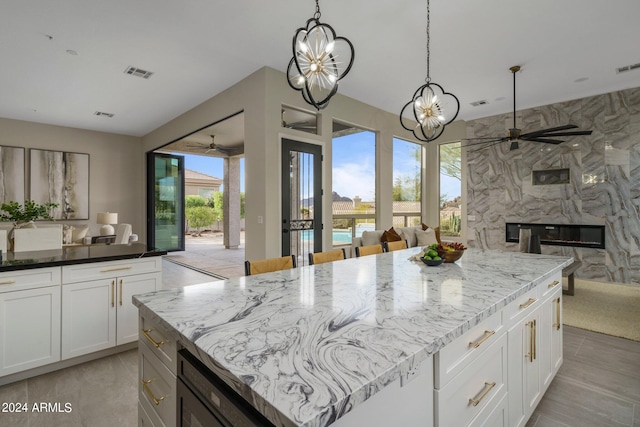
63, 178
11, 174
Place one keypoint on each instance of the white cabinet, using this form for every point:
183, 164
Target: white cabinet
551, 334
97, 309
29, 320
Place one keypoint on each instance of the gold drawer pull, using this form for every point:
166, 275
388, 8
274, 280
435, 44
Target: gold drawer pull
8, 282
120, 293
113, 293
486, 336
155, 343
485, 391
557, 324
554, 284
107, 270
528, 303
145, 385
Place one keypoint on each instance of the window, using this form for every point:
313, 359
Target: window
450, 189
407, 183
354, 177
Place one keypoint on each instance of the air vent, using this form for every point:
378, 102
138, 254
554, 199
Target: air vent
628, 68
479, 103
138, 72
103, 114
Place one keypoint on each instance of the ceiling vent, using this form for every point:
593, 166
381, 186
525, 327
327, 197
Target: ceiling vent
479, 103
138, 72
103, 114
628, 68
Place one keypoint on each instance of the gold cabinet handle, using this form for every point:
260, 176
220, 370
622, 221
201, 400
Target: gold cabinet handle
8, 282
528, 303
145, 385
156, 344
113, 293
557, 324
487, 388
533, 335
120, 292
107, 270
553, 284
483, 338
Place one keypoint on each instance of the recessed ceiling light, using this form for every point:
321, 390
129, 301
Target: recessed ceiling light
581, 79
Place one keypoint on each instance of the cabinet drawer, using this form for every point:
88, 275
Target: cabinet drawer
156, 387
523, 305
477, 389
458, 354
551, 284
101, 270
159, 342
29, 279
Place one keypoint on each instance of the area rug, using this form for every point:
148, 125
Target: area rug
607, 308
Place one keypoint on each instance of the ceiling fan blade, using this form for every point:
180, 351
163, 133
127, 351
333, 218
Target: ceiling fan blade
577, 132
545, 140
556, 129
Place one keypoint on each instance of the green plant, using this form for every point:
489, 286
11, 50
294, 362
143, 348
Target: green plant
193, 201
199, 217
31, 211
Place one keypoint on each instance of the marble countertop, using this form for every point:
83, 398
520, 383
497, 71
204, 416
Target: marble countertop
12, 261
305, 346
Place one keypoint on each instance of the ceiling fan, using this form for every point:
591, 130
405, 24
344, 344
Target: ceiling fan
213, 147
300, 124
515, 135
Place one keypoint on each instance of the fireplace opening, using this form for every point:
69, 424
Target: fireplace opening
584, 236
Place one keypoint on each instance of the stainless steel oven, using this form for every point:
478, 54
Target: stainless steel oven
204, 400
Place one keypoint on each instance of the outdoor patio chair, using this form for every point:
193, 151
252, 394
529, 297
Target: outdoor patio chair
269, 265
368, 250
329, 256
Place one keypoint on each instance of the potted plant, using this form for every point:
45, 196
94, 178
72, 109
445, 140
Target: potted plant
24, 215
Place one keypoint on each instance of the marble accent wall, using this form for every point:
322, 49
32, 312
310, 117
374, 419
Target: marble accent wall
604, 188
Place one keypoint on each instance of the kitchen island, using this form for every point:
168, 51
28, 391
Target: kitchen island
316, 345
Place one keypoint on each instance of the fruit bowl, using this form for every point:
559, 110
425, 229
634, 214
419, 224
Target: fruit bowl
432, 262
452, 256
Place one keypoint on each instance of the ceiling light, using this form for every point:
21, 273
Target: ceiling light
432, 107
314, 68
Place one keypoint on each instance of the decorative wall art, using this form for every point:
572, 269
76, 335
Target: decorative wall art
63, 178
11, 174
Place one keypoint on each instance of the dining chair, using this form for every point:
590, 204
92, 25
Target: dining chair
368, 250
328, 256
394, 246
268, 265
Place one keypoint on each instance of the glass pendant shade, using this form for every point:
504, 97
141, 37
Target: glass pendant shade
320, 59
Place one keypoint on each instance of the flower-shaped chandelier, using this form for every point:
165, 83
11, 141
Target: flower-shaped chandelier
314, 69
432, 107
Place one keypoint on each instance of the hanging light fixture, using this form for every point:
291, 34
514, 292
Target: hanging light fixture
315, 68
432, 107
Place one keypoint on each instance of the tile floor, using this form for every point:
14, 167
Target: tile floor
598, 384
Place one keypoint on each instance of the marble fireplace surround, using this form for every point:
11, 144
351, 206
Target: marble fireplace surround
604, 187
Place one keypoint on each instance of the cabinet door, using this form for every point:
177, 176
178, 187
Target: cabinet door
127, 323
524, 368
556, 333
88, 317
29, 329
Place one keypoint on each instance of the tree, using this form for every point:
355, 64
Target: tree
200, 217
194, 201
218, 205
450, 158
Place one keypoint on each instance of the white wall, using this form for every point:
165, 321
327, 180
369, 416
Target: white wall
116, 182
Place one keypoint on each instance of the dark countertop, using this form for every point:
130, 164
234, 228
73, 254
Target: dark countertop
12, 261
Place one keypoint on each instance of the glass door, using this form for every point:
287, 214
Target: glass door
165, 201
301, 199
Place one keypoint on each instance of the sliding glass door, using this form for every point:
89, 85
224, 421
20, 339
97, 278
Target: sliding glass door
165, 201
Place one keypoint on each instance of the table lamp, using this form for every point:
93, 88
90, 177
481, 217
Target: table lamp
107, 218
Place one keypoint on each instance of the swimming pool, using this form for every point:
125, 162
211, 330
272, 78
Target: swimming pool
340, 237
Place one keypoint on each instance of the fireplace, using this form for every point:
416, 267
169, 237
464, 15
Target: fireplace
584, 236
